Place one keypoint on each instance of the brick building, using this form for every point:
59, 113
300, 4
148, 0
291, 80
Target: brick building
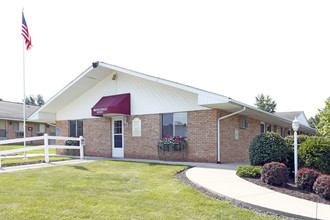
123, 114
11, 122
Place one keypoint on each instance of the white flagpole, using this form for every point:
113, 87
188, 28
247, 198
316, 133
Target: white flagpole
24, 117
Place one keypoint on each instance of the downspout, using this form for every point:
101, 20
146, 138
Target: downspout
223, 117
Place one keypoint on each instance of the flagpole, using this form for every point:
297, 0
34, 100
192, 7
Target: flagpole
24, 116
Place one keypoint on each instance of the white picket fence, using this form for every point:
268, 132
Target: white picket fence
45, 146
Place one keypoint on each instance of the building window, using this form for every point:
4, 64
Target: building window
243, 123
262, 128
282, 132
270, 128
39, 128
76, 128
174, 124
18, 126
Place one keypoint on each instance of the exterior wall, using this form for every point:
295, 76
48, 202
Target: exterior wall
232, 149
147, 97
143, 147
97, 134
11, 134
202, 136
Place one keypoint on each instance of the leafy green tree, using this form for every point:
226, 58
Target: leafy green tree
265, 103
314, 121
323, 127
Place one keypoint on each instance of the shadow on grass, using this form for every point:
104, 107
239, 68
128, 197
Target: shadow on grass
80, 168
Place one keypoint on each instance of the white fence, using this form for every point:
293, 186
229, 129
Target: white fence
45, 146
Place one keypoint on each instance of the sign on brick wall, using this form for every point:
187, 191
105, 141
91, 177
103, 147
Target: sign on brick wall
136, 127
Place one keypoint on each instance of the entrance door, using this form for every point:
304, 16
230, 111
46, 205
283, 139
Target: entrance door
117, 138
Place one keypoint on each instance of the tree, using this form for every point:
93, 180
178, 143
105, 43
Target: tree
323, 126
265, 103
31, 100
314, 121
40, 100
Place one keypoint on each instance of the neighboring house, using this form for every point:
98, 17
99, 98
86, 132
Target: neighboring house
123, 113
300, 115
11, 122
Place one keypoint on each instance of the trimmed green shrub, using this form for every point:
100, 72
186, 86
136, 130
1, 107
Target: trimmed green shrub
249, 171
275, 173
267, 147
289, 162
314, 153
322, 186
306, 178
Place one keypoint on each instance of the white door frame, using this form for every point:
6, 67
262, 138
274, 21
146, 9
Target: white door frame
117, 152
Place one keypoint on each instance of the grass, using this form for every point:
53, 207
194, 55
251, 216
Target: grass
108, 190
11, 147
29, 160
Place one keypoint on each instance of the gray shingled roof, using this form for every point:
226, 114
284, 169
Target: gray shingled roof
14, 110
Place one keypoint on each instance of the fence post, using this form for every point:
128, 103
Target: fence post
82, 143
46, 148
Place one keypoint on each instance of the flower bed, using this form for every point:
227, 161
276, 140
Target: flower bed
171, 144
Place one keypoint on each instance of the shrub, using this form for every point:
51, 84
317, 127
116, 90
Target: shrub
249, 171
267, 147
306, 178
315, 154
275, 173
322, 186
289, 162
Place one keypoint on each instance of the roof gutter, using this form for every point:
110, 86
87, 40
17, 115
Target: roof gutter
219, 119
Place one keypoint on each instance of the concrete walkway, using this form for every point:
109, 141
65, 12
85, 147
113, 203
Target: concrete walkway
222, 179
225, 182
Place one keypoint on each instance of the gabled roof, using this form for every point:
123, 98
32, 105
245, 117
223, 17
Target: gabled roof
300, 115
14, 110
99, 71
289, 115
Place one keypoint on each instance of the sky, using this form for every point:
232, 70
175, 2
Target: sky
234, 48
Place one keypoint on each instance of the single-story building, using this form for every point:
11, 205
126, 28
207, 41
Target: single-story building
122, 113
11, 122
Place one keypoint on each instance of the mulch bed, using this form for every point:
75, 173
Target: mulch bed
183, 178
291, 189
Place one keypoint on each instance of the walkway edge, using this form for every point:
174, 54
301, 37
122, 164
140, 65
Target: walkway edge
226, 184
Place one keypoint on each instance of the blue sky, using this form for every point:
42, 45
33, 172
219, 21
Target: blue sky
234, 48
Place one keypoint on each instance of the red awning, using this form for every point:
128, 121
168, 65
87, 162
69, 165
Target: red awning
115, 104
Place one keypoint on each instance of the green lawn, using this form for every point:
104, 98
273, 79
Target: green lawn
108, 190
37, 159
11, 147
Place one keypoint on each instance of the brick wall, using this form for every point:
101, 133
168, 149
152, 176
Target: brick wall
202, 136
144, 147
97, 134
12, 134
232, 149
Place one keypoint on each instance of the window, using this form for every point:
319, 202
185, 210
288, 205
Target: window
270, 128
76, 128
174, 124
243, 123
262, 128
18, 126
39, 128
282, 132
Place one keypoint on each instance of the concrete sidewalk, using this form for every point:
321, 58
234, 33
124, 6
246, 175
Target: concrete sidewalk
225, 182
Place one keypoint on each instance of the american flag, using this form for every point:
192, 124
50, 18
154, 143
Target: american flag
25, 33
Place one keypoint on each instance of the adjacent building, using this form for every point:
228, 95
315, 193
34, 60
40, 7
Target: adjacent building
11, 122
